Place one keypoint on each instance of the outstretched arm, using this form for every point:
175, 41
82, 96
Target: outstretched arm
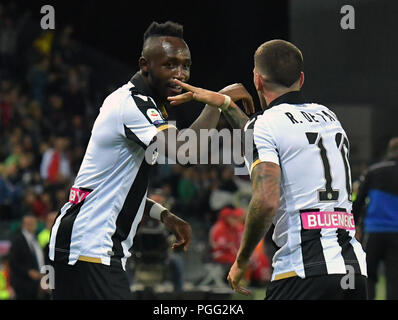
234, 115
263, 205
208, 119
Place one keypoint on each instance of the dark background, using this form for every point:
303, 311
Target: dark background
222, 35
343, 67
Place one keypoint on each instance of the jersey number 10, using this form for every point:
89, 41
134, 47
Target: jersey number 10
329, 194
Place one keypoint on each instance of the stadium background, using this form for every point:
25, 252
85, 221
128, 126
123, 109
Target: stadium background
97, 45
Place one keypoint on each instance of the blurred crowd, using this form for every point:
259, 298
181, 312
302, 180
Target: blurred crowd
44, 122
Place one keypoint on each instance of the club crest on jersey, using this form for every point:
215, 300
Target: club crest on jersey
154, 116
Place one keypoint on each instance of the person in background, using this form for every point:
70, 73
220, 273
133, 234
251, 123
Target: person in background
26, 258
380, 240
55, 166
225, 238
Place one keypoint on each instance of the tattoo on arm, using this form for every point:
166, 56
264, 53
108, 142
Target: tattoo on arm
262, 207
235, 116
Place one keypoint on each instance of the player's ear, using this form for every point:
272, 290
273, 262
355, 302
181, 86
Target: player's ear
301, 79
144, 65
258, 83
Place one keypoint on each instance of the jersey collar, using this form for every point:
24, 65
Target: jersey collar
292, 97
141, 87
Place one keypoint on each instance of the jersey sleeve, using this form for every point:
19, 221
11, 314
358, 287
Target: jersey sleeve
142, 120
262, 143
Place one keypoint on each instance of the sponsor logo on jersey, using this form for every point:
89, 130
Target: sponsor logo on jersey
76, 195
154, 116
324, 219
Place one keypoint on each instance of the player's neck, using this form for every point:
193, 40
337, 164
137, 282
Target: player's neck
272, 95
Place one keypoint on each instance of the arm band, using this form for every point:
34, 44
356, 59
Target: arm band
156, 211
226, 104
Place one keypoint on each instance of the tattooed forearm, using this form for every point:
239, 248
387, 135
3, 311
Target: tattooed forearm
257, 224
235, 117
262, 207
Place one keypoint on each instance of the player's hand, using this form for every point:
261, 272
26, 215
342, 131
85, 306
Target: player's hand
237, 92
235, 276
181, 230
194, 93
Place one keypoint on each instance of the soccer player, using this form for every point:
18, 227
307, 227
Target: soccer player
94, 230
301, 184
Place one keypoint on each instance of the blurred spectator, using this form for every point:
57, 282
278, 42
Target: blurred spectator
380, 241
73, 96
10, 183
38, 80
169, 200
26, 259
57, 115
6, 291
55, 166
225, 238
222, 195
43, 44
187, 190
65, 45
42, 205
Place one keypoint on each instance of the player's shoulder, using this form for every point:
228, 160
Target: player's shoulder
116, 97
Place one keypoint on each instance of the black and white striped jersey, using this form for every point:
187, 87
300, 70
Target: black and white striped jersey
313, 227
107, 200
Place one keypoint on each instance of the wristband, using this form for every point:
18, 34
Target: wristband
226, 104
156, 211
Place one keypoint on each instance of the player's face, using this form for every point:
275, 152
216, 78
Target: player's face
171, 61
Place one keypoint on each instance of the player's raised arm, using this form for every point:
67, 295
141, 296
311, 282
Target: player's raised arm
224, 100
168, 139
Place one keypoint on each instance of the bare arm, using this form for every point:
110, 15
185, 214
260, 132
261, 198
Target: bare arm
236, 117
262, 208
181, 229
169, 139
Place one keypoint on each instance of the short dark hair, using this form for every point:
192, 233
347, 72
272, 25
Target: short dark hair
280, 60
167, 29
